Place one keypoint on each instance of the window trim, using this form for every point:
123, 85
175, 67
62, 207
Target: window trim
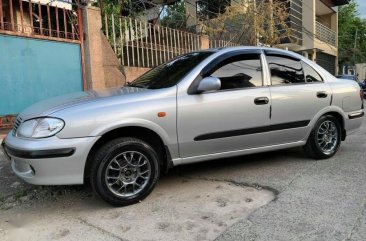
192, 89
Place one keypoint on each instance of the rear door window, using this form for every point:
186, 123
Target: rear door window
285, 70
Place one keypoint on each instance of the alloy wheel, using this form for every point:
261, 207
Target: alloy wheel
128, 173
327, 137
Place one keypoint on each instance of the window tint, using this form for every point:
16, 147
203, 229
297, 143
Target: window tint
310, 74
285, 70
240, 71
170, 73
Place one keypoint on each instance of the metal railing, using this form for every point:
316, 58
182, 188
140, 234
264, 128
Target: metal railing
325, 34
39, 20
221, 43
141, 44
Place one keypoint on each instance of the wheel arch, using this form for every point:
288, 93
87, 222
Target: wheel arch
340, 119
143, 133
335, 111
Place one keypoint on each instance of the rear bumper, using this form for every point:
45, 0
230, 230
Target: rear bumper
354, 121
49, 161
356, 115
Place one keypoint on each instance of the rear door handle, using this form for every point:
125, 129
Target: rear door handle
261, 101
321, 94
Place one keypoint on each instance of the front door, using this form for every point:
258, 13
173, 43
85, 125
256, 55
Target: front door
227, 119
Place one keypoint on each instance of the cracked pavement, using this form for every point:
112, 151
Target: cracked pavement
279, 195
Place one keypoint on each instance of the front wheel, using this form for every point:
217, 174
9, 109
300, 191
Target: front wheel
124, 171
325, 138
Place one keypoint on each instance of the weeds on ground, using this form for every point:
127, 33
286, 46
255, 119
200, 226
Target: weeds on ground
20, 193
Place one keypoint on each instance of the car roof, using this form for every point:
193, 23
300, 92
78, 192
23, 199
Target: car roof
277, 50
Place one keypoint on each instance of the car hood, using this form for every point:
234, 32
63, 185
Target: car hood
49, 106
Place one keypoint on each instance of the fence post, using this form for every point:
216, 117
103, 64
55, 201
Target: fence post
205, 42
31, 16
1, 15
40, 18
49, 20
114, 35
11, 15
121, 41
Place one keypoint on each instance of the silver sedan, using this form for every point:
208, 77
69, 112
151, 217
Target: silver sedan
199, 106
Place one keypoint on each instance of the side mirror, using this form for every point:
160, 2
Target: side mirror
209, 84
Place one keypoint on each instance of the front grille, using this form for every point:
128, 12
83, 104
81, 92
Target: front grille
17, 123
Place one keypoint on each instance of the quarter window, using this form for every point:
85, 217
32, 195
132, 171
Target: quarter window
310, 74
241, 71
285, 70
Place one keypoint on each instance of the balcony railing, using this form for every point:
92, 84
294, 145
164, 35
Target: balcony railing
325, 34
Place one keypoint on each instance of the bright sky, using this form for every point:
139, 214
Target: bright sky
362, 8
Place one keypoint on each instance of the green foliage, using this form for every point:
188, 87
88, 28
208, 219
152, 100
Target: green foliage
112, 6
208, 9
174, 16
20, 193
348, 23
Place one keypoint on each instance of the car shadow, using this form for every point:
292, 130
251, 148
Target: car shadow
251, 160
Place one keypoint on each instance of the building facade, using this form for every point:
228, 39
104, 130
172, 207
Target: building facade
315, 27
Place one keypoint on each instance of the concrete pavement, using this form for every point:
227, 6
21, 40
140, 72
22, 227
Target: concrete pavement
317, 200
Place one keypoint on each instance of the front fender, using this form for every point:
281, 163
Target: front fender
134, 122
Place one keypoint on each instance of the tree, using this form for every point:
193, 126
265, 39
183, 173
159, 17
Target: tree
209, 9
352, 48
251, 22
174, 15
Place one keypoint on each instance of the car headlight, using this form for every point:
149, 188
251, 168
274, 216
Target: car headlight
40, 127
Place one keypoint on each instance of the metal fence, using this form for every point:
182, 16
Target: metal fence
221, 43
39, 20
141, 44
325, 34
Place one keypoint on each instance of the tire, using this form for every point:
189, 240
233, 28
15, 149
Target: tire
124, 171
316, 146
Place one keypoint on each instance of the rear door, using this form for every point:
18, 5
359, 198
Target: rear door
298, 93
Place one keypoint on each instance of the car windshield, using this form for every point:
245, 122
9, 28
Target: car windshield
170, 73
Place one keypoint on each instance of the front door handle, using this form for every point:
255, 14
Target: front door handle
321, 94
261, 101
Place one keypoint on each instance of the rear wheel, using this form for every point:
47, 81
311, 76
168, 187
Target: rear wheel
124, 171
325, 138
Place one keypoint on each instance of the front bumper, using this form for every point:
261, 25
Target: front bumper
49, 161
